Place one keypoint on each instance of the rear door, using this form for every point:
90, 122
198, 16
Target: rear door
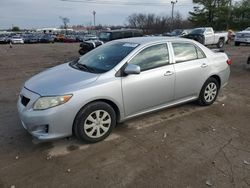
191, 69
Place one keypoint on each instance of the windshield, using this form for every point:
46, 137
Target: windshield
104, 58
197, 31
248, 29
105, 36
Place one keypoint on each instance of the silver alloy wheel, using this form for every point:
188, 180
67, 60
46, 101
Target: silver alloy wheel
97, 124
210, 92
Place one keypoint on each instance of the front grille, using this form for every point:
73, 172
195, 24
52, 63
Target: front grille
24, 100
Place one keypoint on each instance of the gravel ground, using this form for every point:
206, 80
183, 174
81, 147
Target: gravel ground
186, 146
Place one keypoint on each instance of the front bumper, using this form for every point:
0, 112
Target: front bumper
47, 124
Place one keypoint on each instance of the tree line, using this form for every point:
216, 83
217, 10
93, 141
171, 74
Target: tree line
219, 14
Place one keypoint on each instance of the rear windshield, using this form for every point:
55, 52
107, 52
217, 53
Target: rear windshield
106, 57
197, 31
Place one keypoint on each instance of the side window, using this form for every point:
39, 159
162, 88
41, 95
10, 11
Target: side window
152, 57
209, 31
186, 52
200, 53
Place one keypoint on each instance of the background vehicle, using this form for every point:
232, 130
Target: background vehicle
178, 32
3, 39
69, 39
89, 45
31, 39
17, 40
206, 36
242, 37
59, 38
106, 36
91, 94
46, 39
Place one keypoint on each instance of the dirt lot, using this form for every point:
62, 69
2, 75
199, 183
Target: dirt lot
186, 146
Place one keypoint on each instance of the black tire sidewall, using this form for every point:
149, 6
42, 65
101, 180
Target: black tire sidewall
78, 127
202, 100
220, 43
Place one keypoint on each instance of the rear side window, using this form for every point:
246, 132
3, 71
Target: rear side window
152, 57
186, 52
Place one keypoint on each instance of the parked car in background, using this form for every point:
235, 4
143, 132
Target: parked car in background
242, 37
29, 39
207, 36
106, 36
3, 39
89, 45
46, 38
17, 40
178, 32
88, 96
59, 38
69, 39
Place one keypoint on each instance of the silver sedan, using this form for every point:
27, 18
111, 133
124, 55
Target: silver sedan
117, 81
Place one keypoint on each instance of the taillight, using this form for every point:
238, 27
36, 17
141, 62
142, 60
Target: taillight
229, 62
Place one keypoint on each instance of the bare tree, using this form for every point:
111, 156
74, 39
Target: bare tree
153, 24
65, 21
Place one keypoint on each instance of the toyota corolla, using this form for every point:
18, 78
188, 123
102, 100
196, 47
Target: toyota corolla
117, 81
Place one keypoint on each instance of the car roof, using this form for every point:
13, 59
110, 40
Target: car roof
149, 40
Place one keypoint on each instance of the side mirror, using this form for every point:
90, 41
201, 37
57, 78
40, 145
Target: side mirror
132, 69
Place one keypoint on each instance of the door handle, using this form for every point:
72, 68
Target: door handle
204, 65
168, 73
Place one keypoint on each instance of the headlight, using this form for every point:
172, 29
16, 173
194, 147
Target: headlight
49, 102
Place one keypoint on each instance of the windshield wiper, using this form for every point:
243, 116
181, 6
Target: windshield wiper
85, 67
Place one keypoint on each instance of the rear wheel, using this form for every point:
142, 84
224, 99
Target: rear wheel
220, 43
209, 92
236, 43
94, 122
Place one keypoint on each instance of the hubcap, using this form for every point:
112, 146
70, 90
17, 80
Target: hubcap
210, 92
97, 123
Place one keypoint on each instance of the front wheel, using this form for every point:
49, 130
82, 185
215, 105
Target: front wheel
209, 92
94, 122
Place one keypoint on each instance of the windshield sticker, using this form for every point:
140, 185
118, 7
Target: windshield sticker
132, 45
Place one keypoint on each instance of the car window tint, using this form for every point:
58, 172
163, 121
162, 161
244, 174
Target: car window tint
152, 57
184, 52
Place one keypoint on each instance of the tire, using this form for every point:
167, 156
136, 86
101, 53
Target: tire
87, 126
209, 92
236, 43
220, 43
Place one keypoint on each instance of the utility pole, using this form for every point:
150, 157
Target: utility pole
173, 3
94, 13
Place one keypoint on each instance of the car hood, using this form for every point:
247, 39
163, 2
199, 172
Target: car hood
62, 79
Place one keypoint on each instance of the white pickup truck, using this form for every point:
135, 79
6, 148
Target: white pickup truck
207, 36
242, 37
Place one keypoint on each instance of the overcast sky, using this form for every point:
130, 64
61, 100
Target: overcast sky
46, 13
